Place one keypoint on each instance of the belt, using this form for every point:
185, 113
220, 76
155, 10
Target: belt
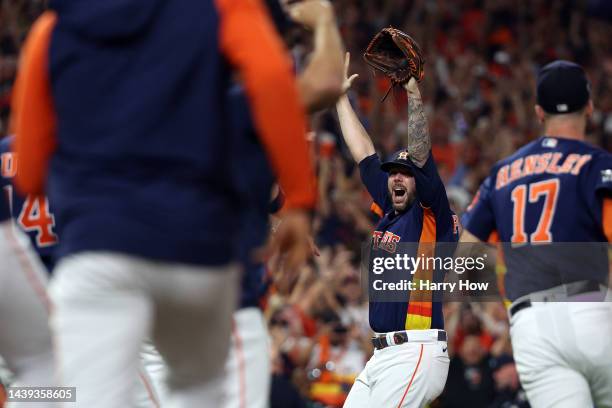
569, 290
407, 336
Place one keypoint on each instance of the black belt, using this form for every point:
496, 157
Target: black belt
399, 337
573, 289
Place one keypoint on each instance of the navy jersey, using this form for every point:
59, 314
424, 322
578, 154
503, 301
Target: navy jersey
32, 214
429, 219
137, 160
254, 178
549, 191
5, 213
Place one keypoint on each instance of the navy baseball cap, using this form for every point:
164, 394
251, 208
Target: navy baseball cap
562, 87
399, 159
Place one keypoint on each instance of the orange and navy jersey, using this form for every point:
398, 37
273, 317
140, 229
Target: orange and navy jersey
32, 214
429, 220
550, 191
120, 114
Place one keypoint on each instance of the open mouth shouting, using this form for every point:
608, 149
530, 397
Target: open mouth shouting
399, 191
399, 194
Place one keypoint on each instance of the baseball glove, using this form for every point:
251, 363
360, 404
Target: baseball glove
397, 55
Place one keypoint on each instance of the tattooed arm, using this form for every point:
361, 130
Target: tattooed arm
419, 142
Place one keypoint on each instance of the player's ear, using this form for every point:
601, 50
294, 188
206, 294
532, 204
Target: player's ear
540, 114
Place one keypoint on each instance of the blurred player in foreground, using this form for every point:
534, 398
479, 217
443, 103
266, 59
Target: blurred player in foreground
25, 338
117, 117
319, 84
556, 189
247, 381
410, 364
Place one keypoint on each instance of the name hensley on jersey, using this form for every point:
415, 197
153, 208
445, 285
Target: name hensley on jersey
549, 163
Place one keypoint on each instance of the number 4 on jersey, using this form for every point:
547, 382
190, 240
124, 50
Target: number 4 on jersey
547, 188
35, 216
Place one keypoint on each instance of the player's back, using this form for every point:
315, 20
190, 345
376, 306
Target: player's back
544, 202
547, 192
139, 91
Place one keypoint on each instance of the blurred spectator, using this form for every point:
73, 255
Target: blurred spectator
508, 388
470, 379
470, 325
337, 357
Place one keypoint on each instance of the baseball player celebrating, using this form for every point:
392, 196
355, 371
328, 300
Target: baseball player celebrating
556, 189
410, 362
130, 159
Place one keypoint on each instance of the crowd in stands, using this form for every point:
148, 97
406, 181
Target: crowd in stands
482, 57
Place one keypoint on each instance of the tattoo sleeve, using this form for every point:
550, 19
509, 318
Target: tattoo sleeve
419, 142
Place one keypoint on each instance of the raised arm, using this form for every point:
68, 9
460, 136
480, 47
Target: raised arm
320, 83
353, 132
419, 142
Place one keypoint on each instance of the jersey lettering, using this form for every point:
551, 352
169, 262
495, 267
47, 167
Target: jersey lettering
549, 163
387, 241
8, 165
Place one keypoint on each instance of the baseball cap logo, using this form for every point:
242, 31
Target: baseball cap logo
606, 176
403, 156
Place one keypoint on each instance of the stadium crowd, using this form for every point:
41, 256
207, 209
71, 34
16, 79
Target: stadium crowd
482, 56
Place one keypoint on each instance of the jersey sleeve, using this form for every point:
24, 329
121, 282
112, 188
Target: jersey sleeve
33, 114
375, 181
479, 219
278, 115
597, 184
607, 218
601, 176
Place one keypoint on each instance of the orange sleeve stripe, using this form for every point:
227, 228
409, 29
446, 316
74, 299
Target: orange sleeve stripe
33, 116
607, 218
375, 208
270, 85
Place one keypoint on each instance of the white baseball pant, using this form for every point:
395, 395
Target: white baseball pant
106, 304
25, 338
406, 375
247, 367
563, 353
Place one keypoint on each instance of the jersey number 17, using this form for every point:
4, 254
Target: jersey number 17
549, 189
